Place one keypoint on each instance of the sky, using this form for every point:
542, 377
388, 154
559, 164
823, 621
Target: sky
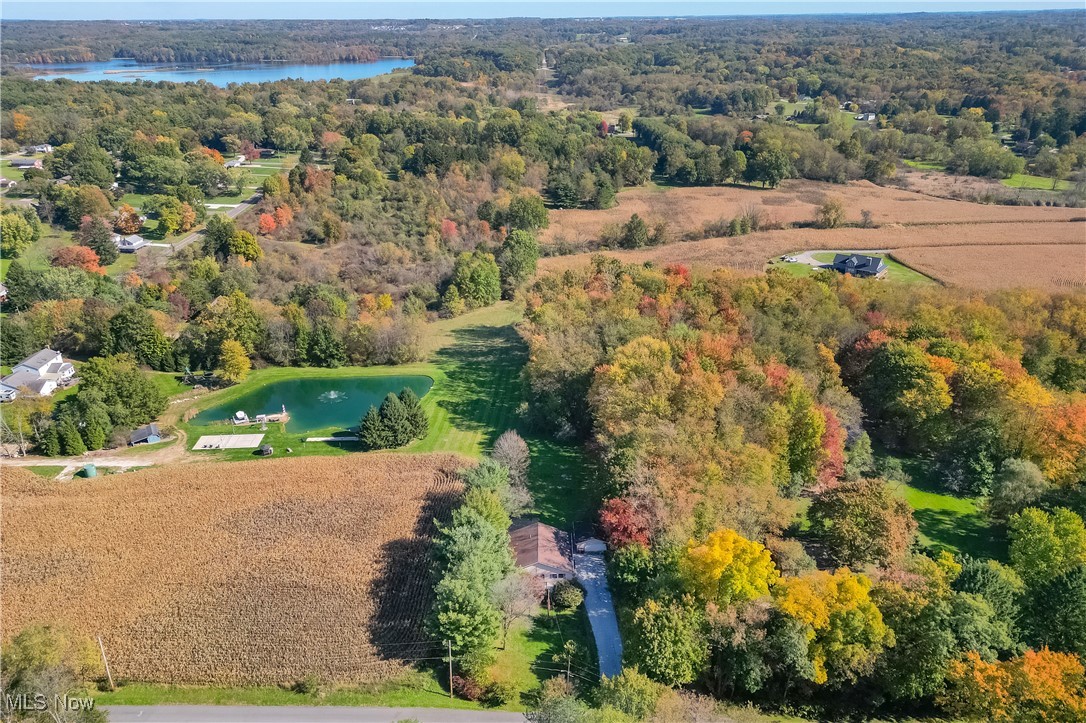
438, 9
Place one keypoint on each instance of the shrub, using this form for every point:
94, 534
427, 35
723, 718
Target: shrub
465, 688
567, 595
499, 694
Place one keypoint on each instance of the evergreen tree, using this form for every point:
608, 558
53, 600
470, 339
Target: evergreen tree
71, 443
420, 425
396, 421
372, 430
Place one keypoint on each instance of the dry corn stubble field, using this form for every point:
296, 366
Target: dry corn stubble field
1046, 255
241, 573
795, 201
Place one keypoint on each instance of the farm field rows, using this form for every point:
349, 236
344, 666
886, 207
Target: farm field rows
250, 573
795, 201
969, 241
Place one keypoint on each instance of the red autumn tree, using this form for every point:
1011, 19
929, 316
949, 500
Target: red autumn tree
621, 524
266, 224
448, 229
249, 150
283, 216
832, 465
77, 257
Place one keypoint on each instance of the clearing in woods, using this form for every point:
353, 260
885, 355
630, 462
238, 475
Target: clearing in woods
258, 572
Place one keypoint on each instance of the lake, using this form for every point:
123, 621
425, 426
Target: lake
122, 69
316, 404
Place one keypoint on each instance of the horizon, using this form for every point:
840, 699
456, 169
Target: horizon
159, 10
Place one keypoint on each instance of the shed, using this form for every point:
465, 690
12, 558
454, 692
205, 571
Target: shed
147, 434
89, 470
265, 450
592, 545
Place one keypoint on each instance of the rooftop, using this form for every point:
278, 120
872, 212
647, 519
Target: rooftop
537, 544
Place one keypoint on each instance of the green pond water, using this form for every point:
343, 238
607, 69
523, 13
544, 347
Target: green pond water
316, 404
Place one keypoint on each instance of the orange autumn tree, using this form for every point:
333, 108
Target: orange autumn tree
266, 224
283, 215
1041, 685
128, 220
77, 257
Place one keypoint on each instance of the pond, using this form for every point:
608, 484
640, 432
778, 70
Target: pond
126, 69
316, 404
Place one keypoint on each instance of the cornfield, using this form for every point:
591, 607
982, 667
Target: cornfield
239, 573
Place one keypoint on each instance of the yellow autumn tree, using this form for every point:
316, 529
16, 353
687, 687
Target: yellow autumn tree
845, 630
234, 363
728, 568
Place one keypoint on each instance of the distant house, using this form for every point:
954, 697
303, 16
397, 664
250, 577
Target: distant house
859, 265
41, 373
43, 148
8, 183
592, 546
26, 163
129, 244
236, 162
542, 551
865, 116
3, 293
147, 434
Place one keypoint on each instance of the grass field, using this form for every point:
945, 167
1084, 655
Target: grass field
1024, 180
46, 470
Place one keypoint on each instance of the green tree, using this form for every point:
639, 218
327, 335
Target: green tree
396, 421
631, 692
245, 245
1046, 545
372, 430
1057, 613
52, 662
132, 398
326, 347
477, 277
635, 233
517, 260
71, 441
1018, 484
489, 506
133, 330
18, 231
95, 234
768, 166
464, 616
416, 415
668, 641
526, 212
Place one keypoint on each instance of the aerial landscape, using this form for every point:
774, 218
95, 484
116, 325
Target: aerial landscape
471, 365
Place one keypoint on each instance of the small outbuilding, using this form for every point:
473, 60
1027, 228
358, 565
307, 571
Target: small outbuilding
592, 546
265, 450
147, 434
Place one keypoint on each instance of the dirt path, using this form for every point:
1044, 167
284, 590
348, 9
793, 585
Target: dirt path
176, 452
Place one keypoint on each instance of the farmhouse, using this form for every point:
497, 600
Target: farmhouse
26, 163
147, 434
859, 265
43, 148
41, 373
130, 244
542, 551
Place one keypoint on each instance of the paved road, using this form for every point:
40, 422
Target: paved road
298, 714
592, 572
236, 211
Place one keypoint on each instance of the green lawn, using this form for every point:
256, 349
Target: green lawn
528, 656
1024, 180
46, 470
948, 522
924, 165
896, 271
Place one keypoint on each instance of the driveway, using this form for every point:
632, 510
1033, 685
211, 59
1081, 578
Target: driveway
592, 572
298, 714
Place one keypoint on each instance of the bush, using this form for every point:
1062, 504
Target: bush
465, 688
567, 595
499, 694
309, 685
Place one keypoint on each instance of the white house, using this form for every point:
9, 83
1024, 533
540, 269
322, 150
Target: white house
129, 244
43, 148
41, 373
235, 163
542, 551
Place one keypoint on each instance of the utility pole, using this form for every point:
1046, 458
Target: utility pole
105, 660
449, 642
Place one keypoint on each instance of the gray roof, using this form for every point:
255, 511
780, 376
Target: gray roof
39, 360
30, 380
858, 262
145, 432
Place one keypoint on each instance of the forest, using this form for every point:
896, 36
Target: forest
757, 435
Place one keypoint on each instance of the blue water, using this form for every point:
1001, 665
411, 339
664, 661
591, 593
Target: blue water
123, 70
315, 404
